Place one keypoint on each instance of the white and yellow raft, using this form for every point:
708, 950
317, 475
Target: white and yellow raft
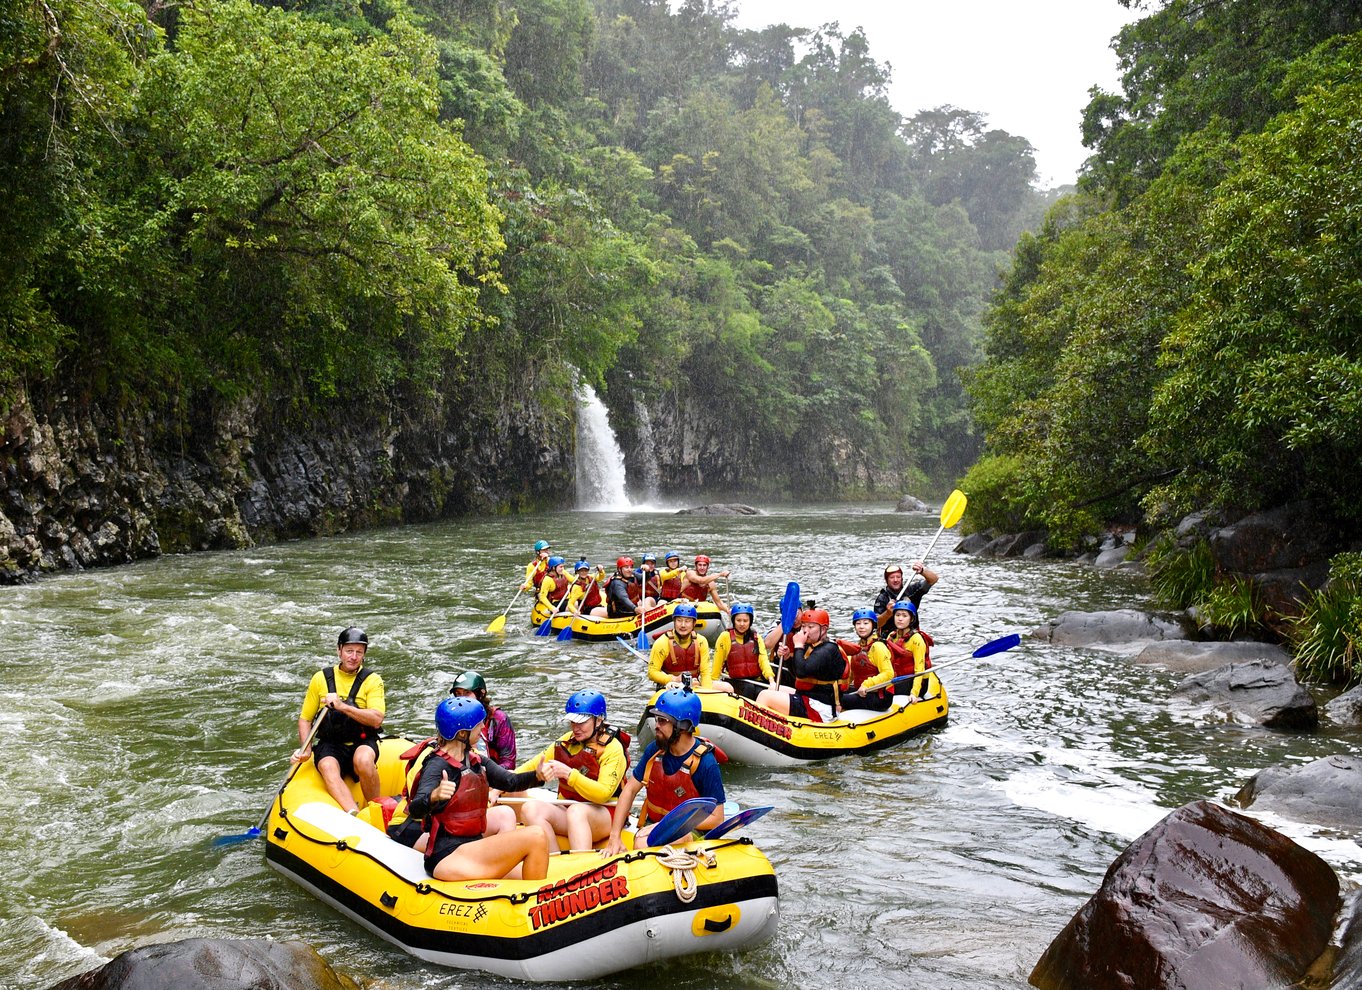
590, 917
756, 736
709, 622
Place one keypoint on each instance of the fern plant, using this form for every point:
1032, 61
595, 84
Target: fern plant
1328, 633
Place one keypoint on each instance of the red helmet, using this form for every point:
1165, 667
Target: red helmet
819, 615
701, 559
624, 562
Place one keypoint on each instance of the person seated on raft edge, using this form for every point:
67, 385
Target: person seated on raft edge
740, 656
347, 742
868, 665
537, 567
669, 577
645, 590
818, 668
621, 591
909, 648
553, 586
499, 738
680, 651
895, 590
675, 766
697, 584
589, 762
451, 795
584, 593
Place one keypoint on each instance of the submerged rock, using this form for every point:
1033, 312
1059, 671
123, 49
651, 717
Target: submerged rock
1126, 627
1259, 691
214, 964
1206, 898
1327, 792
1186, 657
720, 509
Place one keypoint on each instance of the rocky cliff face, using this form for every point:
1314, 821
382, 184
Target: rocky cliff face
86, 485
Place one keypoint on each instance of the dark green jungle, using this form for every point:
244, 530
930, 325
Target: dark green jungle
455, 201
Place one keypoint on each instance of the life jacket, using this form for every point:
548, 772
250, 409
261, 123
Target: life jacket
696, 592
587, 760
591, 597
902, 657
337, 728
558, 589
540, 569
743, 656
634, 588
806, 684
670, 588
466, 812
860, 668
666, 790
681, 659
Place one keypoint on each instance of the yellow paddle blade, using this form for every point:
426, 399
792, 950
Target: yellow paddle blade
953, 509
497, 624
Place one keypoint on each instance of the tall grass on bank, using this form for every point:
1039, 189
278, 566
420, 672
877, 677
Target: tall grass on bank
1328, 634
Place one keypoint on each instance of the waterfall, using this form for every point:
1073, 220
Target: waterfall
647, 448
600, 464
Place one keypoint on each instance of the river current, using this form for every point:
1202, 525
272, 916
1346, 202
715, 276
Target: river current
150, 708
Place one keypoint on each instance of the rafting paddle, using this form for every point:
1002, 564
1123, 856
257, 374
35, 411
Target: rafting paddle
998, 645
951, 512
742, 818
789, 615
257, 830
680, 821
499, 623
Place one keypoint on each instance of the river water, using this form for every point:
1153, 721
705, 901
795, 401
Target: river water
150, 708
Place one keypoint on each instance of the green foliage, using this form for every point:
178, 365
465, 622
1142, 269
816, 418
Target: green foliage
1181, 578
1234, 607
1327, 636
997, 489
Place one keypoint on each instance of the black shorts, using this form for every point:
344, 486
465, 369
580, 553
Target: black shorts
444, 845
342, 754
874, 701
407, 833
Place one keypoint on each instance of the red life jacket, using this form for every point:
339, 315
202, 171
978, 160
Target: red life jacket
681, 659
592, 597
902, 657
634, 589
559, 589
466, 812
540, 569
860, 668
670, 588
666, 790
696, 592
743, 657
587, 760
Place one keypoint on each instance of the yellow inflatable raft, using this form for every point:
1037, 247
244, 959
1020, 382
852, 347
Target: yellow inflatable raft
756, 736
588, 918
709, 622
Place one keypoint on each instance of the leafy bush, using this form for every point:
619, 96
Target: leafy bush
1181, 578
1328, 633
997, 489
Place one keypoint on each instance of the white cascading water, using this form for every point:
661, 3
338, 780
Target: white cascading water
600, 463
647, 448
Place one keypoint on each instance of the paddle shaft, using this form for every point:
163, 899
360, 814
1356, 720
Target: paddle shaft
311, 737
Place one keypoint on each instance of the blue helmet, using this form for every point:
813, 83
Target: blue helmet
556, 562
455, 715
582, 565
540, 545
585, 704
650, 556
863, 613
741, 608
904, 605
682, 707
685, 609
669, 555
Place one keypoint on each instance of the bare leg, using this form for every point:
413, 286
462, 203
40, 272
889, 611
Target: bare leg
587, 824
499, 819
335, 785
495, 856
366, 769
774, 700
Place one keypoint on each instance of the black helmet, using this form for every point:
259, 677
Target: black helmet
353, 634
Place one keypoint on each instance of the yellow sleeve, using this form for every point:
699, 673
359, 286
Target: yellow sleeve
721, 649
529, 574
918, 648
312, 701
884, 666
602, 789
546, 586
371, 694
666, 574
702, 655
575, 594
661, 651
534, 761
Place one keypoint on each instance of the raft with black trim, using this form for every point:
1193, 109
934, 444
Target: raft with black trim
590, 917
757, 736
709, 622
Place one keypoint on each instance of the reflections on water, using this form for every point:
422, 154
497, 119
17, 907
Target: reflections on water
151, 708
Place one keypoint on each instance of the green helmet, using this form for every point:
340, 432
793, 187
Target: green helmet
469, 680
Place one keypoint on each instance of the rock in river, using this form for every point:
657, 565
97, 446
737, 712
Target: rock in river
214, 964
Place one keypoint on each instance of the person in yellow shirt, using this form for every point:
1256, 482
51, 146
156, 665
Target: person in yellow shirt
740, 657
349, 699
869, 665
584, 594
669, 577
538, 567
554, 584
589, 763
680, 651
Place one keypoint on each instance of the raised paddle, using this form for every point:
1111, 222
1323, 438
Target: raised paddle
742, 818
256, 830
499, 623
951, 512
680, 821
993, 646
789, 615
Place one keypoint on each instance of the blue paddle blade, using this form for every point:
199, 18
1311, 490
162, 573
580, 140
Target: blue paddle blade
789, 607
544, 627
680, 821
998, 646
232, 840
566, 633
738, 821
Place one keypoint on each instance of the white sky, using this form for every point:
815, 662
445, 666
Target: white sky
1026, 64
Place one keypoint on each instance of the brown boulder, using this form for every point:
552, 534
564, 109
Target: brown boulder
214, 964
1206, 898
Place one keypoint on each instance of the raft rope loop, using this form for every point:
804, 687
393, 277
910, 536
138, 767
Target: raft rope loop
683, 864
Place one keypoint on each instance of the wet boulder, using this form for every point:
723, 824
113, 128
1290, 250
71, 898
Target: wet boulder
975, 542
1346, 709
720, 509
1326, 792
911, 503
1259, 691
1119, 628
1348, 961
1012, 544
214, 964
1187, 657
1206, 898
